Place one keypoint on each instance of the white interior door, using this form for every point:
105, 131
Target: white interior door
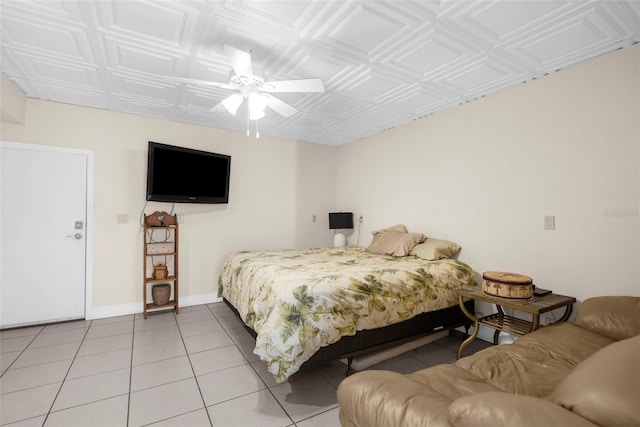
43, 213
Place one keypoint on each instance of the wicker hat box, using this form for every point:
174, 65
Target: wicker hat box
507, 285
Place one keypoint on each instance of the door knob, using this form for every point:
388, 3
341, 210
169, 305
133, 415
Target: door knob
76, 236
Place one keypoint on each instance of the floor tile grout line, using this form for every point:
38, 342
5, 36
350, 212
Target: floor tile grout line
40, 363
233, 344
254, 369
66, 379
295, 423
66, 374
152, 362
28, 388
427, 365
248, 362
22, 351
95, 374
224, 328
170, 418
238, 397
160, 385
79, 405
195, 377
251, 365
315, 415
133, 337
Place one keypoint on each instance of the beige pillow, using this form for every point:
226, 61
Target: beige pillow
398, 227
396, 243
434, 249
377, 233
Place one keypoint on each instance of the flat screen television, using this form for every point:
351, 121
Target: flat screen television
184, 175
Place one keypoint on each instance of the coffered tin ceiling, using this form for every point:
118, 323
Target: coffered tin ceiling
383, 63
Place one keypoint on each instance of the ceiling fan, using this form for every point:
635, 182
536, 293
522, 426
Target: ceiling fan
254, 88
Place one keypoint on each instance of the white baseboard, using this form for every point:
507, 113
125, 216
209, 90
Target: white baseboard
136, 307
199, 299
114, 310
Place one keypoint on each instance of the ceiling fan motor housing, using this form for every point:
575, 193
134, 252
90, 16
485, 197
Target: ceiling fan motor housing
242, 81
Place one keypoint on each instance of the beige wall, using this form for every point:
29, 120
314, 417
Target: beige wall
486, 173
483, 174
276, 187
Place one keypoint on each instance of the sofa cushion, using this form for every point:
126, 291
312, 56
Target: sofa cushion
616, 317
565, 341
495, 409
605, 388
382, 398
535, 364
517, 369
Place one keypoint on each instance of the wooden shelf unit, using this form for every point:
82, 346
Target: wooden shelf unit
154, 223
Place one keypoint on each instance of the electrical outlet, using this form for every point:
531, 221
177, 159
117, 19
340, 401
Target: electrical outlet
361, 219
313, 218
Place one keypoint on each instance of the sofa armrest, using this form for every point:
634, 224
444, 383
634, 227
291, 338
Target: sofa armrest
615, 317
495, 409
605, 388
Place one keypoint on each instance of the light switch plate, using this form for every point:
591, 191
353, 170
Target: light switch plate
549, 222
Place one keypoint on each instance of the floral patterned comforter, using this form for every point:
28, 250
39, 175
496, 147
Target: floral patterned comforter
298, 301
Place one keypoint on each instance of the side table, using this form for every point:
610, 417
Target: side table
510, 324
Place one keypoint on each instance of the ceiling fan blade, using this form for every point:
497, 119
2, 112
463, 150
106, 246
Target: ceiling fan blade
280, 107
240, 61
199, 82
303, 85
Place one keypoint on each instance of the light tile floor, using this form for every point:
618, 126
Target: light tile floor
192, 369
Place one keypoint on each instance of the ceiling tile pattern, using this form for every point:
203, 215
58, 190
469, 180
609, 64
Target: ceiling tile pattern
383, 63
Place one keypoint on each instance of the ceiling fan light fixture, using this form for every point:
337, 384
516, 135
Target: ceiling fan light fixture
250, 83
233, 102
257, 105
256, 115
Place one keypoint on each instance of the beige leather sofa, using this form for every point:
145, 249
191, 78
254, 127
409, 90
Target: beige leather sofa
581, 373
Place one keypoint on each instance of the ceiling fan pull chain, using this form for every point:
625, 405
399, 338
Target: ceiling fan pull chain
248, 110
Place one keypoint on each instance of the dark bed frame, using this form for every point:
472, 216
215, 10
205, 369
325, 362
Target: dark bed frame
367, 341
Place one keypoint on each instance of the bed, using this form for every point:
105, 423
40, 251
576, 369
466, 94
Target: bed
315, 305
